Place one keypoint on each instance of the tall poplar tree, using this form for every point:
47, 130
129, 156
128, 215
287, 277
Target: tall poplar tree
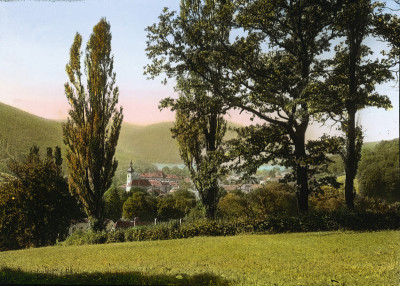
92, 130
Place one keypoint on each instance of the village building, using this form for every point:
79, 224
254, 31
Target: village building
156, 183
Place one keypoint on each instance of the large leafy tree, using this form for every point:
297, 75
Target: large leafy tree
387, 26
199, 129
272, 86
277, 86
176, 205
35, 205
199, 126
92, 130
351, 83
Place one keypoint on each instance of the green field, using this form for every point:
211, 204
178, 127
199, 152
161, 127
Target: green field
325, 258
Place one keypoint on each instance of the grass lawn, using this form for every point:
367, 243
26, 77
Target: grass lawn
324, 258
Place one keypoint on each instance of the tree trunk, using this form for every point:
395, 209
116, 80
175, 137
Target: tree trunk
210, 212
302, 188
211, 201
212, 192
301, 172
351, 158
350, 163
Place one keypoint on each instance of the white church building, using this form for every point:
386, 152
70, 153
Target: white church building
157, 183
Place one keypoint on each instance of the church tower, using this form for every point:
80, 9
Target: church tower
129, 177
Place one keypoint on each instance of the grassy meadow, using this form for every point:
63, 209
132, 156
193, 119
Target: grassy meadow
323, 258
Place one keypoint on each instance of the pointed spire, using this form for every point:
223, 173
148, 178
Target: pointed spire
130, 170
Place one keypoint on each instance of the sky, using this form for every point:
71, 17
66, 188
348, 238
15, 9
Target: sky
35, 38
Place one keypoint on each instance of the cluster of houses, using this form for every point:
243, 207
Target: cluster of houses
234, 182
159, 183
156, 183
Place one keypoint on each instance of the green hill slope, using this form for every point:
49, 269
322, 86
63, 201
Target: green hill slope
152, 143
19, 130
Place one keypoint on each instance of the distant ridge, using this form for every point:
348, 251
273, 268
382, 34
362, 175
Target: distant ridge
19, 130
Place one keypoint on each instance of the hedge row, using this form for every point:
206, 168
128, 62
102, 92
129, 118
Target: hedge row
314, 221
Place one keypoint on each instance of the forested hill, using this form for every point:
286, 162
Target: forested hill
19, 130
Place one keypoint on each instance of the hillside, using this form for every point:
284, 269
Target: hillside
19, 130
151, 143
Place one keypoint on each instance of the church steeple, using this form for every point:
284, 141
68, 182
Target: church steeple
130, 170
129, 177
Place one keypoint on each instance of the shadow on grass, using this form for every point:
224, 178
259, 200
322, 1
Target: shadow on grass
12, 276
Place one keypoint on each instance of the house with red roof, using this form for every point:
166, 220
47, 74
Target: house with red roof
157, 182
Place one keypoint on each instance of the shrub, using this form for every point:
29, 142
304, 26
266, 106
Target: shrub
232, 206
35, 205
80, 237
116, 236
273, 199
375, 205
329, 199
378, 172
141, 206
313, 221
196, 213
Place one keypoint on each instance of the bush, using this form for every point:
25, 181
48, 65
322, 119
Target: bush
273, 199
313, 221
329, 199
378, 172
140, 205
375, 205
35, 205
80, 237
196, 213
116, 236
233, 206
